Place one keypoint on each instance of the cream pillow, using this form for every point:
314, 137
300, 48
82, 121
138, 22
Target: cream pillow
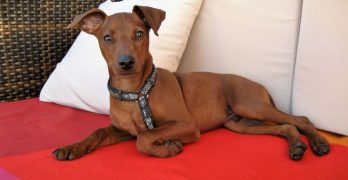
320, 89
79, 80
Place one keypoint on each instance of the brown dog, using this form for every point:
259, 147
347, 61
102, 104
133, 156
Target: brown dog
163, 110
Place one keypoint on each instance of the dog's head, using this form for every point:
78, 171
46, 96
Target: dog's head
123, 37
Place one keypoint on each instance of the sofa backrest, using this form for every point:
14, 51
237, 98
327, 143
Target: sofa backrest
32, 41
255, 39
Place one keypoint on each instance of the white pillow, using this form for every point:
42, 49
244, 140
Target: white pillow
320, 89
254, 39
80, 79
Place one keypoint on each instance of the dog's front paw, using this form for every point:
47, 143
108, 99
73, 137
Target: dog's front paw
70, 152
174, 147
319, 145
167, 148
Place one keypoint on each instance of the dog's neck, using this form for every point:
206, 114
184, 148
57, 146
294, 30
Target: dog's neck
140, 96
132, 83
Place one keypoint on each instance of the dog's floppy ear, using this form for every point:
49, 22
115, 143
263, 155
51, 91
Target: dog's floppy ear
152, 17
89, 21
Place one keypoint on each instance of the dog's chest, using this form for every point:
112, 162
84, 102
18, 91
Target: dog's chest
128, 119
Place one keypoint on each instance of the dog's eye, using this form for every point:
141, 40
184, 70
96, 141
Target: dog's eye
139, 34
108, 38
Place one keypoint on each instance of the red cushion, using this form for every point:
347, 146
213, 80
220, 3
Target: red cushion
31, 125
219, 154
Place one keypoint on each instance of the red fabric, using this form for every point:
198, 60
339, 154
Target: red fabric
219, 154
31, 125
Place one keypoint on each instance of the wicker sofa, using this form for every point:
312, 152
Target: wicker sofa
33, 40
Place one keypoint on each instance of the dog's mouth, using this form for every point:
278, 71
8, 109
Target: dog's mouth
127, 67
126, 73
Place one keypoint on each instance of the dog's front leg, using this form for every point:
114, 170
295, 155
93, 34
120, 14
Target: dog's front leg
100, 137
167, 140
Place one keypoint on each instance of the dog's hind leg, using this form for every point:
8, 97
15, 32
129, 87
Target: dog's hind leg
100, 137
264, 111
296, 146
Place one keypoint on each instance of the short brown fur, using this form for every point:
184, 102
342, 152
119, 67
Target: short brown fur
183, 105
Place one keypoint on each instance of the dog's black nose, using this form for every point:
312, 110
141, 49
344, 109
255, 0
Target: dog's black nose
126, 62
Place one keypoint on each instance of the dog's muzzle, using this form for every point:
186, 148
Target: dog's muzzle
126, 62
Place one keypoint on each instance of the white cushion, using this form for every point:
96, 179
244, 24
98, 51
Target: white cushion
321, 74
80, 79
255, 39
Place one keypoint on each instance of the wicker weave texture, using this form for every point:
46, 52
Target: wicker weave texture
32, 41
